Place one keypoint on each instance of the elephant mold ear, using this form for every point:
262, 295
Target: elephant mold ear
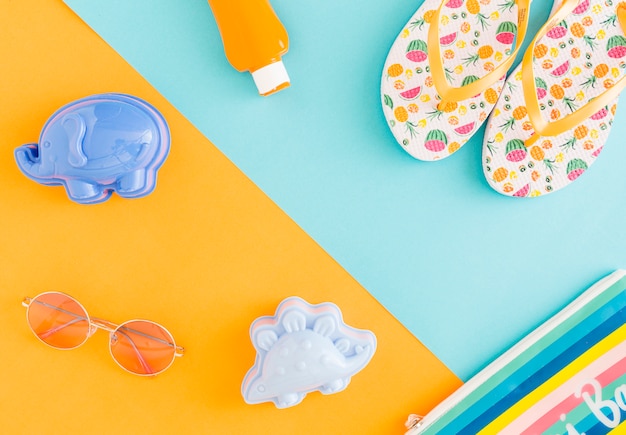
304, 348
74, 126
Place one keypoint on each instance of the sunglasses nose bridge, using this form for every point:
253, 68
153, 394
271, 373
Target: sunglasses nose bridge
103, 324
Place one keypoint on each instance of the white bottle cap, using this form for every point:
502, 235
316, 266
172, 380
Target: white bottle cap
270, 77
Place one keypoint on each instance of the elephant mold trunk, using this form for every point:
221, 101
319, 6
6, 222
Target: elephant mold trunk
27, 158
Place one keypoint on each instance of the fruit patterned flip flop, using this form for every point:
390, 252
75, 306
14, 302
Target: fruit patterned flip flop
557, 107
440, 82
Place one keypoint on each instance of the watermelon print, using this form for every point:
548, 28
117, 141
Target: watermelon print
575, 168
523, 191
417, 51
454, 4
506, 32
515, 150
542, 88
576, 61
581, 8
466, 129
436, 140
448, 39
600, 113
561, 70
469, 79
558, 31
422, 124
597, 152
616, 47
411, 94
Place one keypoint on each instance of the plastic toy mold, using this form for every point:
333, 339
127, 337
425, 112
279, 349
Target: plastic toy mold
304, 348
97, 145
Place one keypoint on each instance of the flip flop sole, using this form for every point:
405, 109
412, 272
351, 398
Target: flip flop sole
574, 62
475, 36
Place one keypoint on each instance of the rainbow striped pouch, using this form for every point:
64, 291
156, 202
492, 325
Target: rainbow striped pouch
566, 377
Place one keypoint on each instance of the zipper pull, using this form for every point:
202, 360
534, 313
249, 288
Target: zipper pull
413, 423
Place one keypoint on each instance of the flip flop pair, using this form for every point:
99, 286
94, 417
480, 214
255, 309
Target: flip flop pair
547, 122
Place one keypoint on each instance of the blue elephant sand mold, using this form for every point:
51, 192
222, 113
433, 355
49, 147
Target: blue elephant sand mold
97, 145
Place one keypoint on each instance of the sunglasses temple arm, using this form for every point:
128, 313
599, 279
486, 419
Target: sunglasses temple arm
77, 318
56, 329
178, 350
140, 357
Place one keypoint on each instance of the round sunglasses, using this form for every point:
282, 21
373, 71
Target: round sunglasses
141, 347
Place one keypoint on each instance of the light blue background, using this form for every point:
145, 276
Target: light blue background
467, 270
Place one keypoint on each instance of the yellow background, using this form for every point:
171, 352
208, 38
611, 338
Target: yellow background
205, 254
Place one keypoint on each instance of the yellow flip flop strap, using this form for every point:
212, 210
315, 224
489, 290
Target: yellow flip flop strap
450, 93
554, 128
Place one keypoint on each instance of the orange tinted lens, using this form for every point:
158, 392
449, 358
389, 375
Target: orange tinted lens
142, 347
58, 320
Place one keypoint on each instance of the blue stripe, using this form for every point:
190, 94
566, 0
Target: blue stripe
591, 426
540, 368
537, 371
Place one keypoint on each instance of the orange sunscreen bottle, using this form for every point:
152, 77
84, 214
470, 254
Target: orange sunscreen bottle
254, 40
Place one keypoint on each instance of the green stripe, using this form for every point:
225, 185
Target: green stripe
536, 348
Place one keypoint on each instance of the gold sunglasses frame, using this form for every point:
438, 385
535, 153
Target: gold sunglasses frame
106, 325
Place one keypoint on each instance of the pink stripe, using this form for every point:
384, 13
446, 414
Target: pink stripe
551, 417
547, 411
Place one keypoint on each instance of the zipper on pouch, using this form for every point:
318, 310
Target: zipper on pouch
417, 424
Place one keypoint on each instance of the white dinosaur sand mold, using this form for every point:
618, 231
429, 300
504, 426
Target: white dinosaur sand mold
304, 348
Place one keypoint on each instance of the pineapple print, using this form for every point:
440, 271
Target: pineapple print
425, 19
578, 59
580, 133
578, 30
517, 115
599, 72
474, 37
484, 52
558, 93
506, 6
473, 7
